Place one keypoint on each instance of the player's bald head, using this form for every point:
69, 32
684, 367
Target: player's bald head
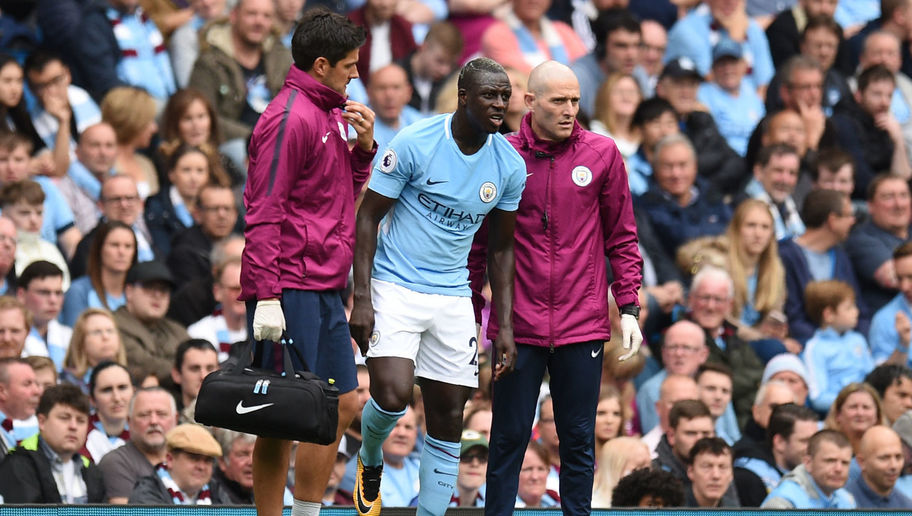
477, 70
548, 74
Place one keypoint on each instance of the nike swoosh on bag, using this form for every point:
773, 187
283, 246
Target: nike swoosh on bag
241, 409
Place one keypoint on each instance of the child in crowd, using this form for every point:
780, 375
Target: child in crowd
836, 355
57, 226
654, 119
23, 203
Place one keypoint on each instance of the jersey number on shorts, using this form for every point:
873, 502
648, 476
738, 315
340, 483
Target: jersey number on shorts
473, 343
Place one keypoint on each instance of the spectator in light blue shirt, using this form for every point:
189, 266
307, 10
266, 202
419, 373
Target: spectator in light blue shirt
693, 36
287, 14
389, 93
890, 328
836, 355
732, 101
714, 382
655, 119
818, 483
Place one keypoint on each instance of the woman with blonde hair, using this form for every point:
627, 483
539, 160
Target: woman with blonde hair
856, 409
95, 339
618, 458
609, 417
615, 103
759, 279
131, 112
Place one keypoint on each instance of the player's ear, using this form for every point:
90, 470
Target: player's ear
320, 66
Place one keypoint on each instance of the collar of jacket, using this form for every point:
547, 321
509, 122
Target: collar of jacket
37, 444
531, 141
323, 96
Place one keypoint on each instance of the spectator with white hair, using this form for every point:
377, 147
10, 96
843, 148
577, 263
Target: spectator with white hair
151, 414
710, 304
232, 479
679, 205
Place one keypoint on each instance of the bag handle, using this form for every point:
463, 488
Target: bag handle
256, 360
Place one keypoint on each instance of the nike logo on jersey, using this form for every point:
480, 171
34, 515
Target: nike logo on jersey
595, 352
326, 136
443, 472
432, 183
241, 409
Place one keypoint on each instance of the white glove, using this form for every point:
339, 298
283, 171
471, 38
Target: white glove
268, 320
631, 337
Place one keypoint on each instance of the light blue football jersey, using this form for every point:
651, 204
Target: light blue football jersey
443, 196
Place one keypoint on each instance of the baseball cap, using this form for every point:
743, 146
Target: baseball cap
193, 438
727, 47
785, 362
903, 427
680, 68
144, 272
471, 439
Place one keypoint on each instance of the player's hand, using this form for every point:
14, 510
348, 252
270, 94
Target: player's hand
631, 337
504, 354
268, 320
361, 118
361, 324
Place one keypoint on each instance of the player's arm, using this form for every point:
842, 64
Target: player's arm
501, 270
373, 208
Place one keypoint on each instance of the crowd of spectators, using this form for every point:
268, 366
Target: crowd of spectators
768, 147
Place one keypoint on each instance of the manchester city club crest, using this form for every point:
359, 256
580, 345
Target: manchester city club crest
581, 175
488, 192
375, 337
388, 161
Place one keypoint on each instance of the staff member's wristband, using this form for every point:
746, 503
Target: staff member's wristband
630, 309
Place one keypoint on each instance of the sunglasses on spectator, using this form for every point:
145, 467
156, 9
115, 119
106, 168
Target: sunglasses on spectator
469, 457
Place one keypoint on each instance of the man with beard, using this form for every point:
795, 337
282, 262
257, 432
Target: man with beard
152, 414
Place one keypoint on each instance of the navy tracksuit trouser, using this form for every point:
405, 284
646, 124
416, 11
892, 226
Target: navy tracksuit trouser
575, 371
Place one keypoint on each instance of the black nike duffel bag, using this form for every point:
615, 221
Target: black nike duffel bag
243, 396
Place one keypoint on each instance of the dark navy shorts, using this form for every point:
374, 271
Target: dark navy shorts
316, 323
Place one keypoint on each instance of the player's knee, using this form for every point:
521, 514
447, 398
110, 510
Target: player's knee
392, 399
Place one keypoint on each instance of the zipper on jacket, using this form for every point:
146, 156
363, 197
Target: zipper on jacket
550, 236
